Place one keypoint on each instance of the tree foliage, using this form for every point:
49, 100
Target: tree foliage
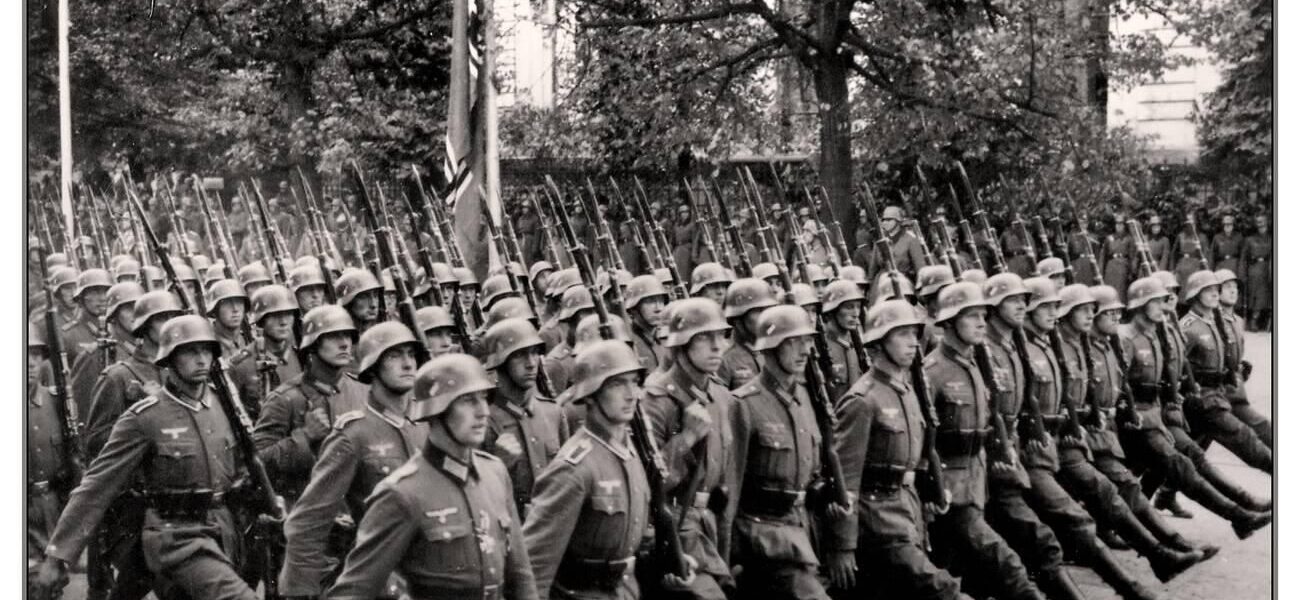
1236, 123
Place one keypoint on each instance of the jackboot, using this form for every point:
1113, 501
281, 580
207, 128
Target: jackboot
1231, 489
1056, 584
1244, 522
1166, 562
1251, 523
1166, 499
1112, 539
1104, 564
1170, 536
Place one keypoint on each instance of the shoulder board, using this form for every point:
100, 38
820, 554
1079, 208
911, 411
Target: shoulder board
69, 326
749, 389
1188, 320
578, 451
487, 456
348, 417
352, 376
655, 385
407, 469
143, 405
243, 354
931, 359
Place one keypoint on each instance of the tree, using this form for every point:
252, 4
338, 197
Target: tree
1235, 127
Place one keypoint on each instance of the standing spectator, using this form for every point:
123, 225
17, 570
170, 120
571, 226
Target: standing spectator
1117, 253
1257, 254
1081, 243
1185, 253
1226, 249
1158, 244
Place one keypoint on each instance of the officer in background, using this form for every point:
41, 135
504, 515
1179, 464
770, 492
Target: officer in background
1226, 246
591, 505
365, 446
908, 255
746, 300
182, 446
443, 521
1257, 256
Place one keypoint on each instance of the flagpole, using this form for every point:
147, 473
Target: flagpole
65, 122
488, 96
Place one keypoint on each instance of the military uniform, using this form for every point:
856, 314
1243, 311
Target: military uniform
232, 342
971, 548
1081, 245
590, 515
120, 385
779, 444
844, 359
647, 347
1236, 389
81, 335
88, 366
1159, 248
740, 365
878, 440
281, 435
186, 456
1118, 257
1019, 253
365, 447
558, 363
700, 477
1257, 259
538, 424
1225, 251
1185, 254
47, 470
1210, 413
908, 256
445, 524
259, 369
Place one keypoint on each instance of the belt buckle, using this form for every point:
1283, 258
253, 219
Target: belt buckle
41, 487
800, 497
490, 591
909, 478
701, 500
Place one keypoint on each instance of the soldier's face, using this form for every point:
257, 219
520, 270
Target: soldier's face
539, 282
127, 277
95, 300
396, 369
901, 344
278, 326
1208, 297
1154, 310
467, 419
521, 367
230, 312
889, 225
849, 315
365, 307
774, 283
192, 363
1058, 280
970, 325
1044, 317
335, 349
467, 295
251, 287
1228, 293
125, 315
35, 363
1081, 317
65, 293
618, 396
716, 292
792, 353
1012, 310
440, 340
705, 350
1170, 303
153, 327
1107, 321
651, 309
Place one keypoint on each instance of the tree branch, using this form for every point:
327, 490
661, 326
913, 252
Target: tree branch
708, 15
732, 61
888, 86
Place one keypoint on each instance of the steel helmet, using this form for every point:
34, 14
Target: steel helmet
36, 336
306, 259
707, 274
538, 268
56, 259
353, 283
1169, 279
123, 293
516, 269
932, 278
304, 276
642, 287
513, 307
1198, 281
664, 275
620, 276
154, 275
804, 294
495, 288
744, 295
183, 330
575, 299
854, 273
1041, 290
200, 262
91, 279
152, 304
1144, 290
958, 297
887, 316
588, 331
444, 379
815, 273
1225, 275
61, 276
214, 273
271, 299
255, 273
1107, 298
421, 284
782, 322
560, 281
839, 292
464, 276
1002, 286
892, 212
443, 274
975, 275
224, 289
884, 289
1075, 295
433, 317
1051, 266
126, 267
184, 272
692, 316
765, 270
386, 277
376, 341
506, 338
326, 318
596, 363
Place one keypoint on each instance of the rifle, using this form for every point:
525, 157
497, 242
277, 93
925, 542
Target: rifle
964, 230
994, 246
386, 256
96, 226
603, 234
764, 248
74, 451
932, 488
703, 235
426, 259
544, 219
1087, 244
665, 524
660, 238
823, 199
228, 269
745, 269
1018, 222
324, 243
652, 261
313, 205
822, 234
274, 239
268, 259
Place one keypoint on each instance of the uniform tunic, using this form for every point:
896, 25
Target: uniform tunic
648, 350
1186, 259
740, 365
1018, 253
444, 522
260, 368
1081, 245
47, 470
590, 515
81, 335
1257, 256
88, 366
122, 384
1210, 413
558, 364
365, 447
1118, 254
1225, 251
844, 360
907, 253
538, 424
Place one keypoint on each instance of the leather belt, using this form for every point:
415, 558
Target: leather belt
882, 480
966, 442
428, 592
1210, 379
588, 573
1146, 393
775, 502
188, 502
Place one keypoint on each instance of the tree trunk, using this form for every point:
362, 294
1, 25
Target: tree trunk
835, 163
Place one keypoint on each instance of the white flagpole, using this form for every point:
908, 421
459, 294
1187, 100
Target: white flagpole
488, 98
65, 121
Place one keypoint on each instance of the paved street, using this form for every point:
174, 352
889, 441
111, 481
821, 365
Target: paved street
1241, 571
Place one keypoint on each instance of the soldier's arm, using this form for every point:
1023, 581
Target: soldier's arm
676, 449
852, 433
558, 496
307, 529
284, 449
109, 474
107, 400
519, 581
383, 536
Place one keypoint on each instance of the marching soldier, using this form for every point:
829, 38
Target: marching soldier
1081, 243
1188, 261
298, 415
443, 520
644, 304
181, 445
116, 340
1257, 254
1019, 253
746, 299
778, 443
591, 505
359, 292
48, 472
525, 429
271, 360
366, 446
1226, 246
552, 330
689, 412
439, 330
308, 286
711, 280
81, 334
228, 307
1210, 413
1236, 390
126, 269
252, 277
1052, 268
63, 284
576, 304
842, 314
906, 249
878, 440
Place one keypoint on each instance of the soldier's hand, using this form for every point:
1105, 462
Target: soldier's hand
318, 424
696, 421
941, 507
843, 568
835, 510
676, 583
509, 444
50, 579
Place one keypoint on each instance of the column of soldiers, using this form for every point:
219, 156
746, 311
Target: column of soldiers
788, 419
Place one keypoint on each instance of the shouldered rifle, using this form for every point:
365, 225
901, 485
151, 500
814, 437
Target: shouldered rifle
702, 235
426, 259
1018, 222
821, 232
73, 450
1072, 420
762, 223
824, 199
96, 226
530, 293
964, 230
603, 235
324, 245
558, 260
668, 542
228, 264
1169, 379
660, 238
933, 489
274, 237
744, 267
268, 259
651, 261
995, 247
1087, 244
1063, 246
984, 362
318, 217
